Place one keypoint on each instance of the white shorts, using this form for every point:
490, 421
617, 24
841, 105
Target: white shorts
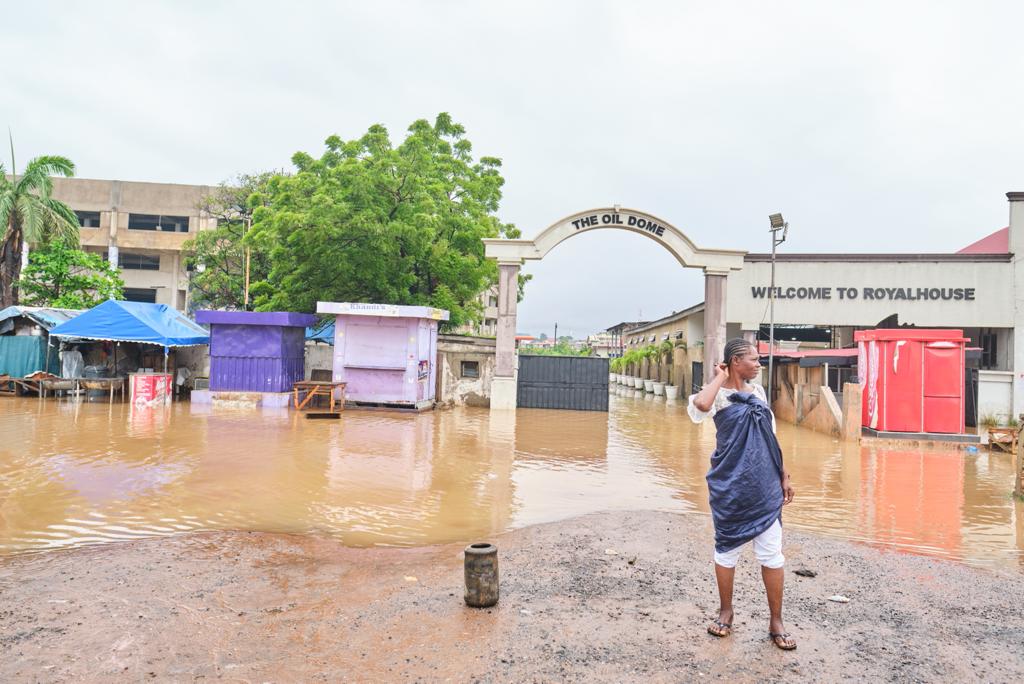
767, 550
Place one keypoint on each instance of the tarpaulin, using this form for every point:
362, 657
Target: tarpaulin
21, 355
321, 333
134, 322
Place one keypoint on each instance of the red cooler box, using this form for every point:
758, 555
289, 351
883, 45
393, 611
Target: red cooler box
149, 389
913, 380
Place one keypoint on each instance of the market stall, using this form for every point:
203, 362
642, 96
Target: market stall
148, 325
385, 353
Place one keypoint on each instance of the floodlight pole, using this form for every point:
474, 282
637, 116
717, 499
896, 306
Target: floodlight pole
777, 224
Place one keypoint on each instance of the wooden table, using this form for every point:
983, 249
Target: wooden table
317, 388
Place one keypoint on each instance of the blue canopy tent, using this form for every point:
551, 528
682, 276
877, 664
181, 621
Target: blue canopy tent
141, 322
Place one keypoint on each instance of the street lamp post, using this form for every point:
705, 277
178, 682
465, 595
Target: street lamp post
777, 224
245, 295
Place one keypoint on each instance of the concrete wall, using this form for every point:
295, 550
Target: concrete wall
995, 395
853, 396
803, 399
319, 356
456, 389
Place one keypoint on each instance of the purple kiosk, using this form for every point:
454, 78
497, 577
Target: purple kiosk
385, 353
255, 352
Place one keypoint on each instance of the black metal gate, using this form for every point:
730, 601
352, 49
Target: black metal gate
697, 379
563, 382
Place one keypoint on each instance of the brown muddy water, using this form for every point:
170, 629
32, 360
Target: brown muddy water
74, 473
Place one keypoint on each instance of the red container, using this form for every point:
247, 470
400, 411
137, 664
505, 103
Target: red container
149, 389
913, 380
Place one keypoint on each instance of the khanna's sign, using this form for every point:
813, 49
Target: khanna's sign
910, 294
620, 220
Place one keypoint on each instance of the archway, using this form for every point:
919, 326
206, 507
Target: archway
510, 255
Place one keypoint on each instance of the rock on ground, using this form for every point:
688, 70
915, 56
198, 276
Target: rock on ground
269, 607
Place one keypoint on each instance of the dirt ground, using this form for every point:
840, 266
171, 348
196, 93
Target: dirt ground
611, 597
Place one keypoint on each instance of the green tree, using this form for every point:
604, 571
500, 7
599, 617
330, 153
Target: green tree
62, 276
216, 258
28, 213
369, 221
562, 348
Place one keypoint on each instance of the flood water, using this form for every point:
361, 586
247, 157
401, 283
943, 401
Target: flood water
75, 473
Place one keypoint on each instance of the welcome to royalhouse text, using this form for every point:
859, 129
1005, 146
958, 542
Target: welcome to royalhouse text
873, 293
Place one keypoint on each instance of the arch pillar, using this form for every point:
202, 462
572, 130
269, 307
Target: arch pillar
503, 385
510, 254
714, 319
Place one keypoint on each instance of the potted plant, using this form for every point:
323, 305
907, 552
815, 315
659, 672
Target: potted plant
627, 359
657, 356
650, 354
668, 352
613, 371
634, 357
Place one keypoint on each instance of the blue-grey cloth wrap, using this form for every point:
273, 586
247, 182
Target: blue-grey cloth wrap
745, 480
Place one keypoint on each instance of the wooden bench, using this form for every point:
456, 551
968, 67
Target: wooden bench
1005, 438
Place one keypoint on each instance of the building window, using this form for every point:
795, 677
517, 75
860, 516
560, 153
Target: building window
135, 262
493, 301
989, 358
471, 369
173, 224
138, 262
140, 294
88, 219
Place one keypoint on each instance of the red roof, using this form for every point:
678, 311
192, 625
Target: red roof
996, 243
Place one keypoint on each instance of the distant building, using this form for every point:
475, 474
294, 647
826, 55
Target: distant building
139, 228
603, 344
618, 333
487, 326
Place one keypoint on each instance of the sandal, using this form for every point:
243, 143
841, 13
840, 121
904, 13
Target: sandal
720, 629
782, 640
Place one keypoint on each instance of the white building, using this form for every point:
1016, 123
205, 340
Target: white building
979, 289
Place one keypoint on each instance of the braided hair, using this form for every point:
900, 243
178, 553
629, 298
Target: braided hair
736, 347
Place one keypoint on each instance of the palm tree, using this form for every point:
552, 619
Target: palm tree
632, 360
652, 355
28, 213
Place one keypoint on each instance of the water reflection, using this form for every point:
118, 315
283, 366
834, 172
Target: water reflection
77, 473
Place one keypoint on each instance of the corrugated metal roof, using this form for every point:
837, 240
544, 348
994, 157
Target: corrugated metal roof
46, 317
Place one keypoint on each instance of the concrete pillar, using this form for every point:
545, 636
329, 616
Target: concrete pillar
503, 385
1016, 200
112, 250
714, 320
750, 336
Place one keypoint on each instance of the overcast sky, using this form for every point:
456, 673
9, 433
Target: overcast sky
889, 126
